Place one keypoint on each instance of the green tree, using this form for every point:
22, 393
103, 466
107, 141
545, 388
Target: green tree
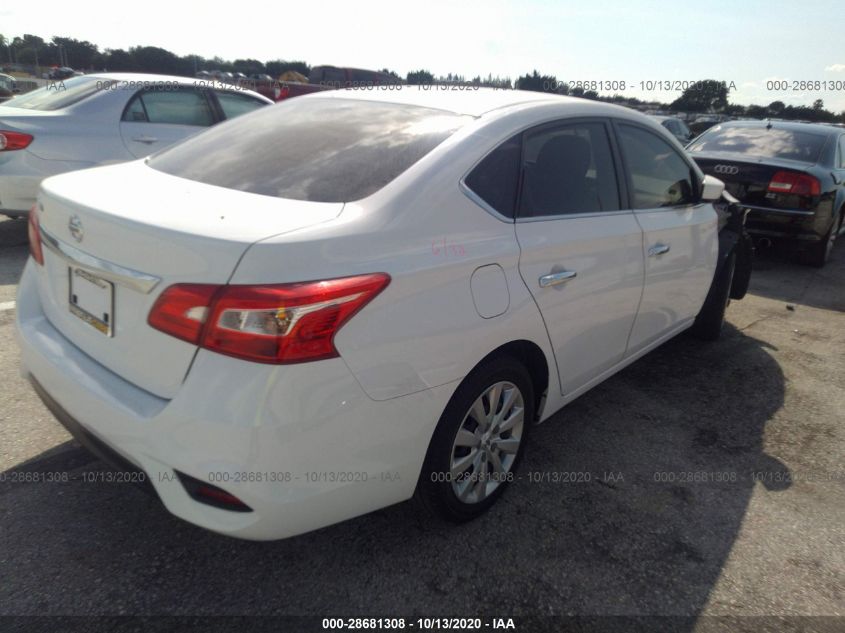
538, 83
279, 66
776, 108
118, 60
152, 59
249, 66
703, 96
419, 77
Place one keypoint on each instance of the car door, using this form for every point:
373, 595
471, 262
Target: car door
680, 235
157, 117
581, 252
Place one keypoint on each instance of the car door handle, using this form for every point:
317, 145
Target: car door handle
146, 139
554, 279
658, 249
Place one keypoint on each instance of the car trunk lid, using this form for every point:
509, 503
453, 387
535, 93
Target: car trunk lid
115, 237
748, 178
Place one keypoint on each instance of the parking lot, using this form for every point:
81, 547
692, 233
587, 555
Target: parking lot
716, 487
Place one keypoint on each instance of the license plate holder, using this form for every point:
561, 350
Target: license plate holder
91, 298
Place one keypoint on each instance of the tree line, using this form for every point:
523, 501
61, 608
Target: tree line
708, 96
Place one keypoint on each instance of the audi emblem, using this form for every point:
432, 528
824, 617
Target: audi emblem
726, 170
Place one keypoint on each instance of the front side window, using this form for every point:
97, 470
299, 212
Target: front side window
175, 107
234, 104
568, 169
320, 150
660, 177
842, 152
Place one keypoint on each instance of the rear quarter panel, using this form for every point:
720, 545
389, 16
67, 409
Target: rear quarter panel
423, 330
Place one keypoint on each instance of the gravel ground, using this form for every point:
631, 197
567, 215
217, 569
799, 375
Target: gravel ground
758, 529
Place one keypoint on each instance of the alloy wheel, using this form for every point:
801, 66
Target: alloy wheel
487, 442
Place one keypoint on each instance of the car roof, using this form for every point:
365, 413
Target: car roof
140, 77
794, 126
469, 100
184, 81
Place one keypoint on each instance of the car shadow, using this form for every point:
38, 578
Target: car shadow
789, 280
628, 503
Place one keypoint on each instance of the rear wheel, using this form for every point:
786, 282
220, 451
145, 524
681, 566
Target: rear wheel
819, 253
708, 323
479, 441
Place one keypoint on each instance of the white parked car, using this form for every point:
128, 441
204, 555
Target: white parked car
325, 307
103, 118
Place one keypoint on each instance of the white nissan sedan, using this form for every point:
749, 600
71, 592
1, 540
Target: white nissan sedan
103, 118
338, 303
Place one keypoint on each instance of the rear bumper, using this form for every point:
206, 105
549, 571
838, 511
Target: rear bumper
301, 445
807, 227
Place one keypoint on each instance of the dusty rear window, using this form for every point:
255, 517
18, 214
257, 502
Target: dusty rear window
57, 94
762, 142
321, 150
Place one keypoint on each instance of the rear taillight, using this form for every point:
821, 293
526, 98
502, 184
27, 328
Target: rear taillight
181, 310
795, 183
13, 140
34, 233
281, 323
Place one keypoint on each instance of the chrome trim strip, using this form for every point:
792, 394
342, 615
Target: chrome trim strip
469, 193
142, 282
567, 216
779, 211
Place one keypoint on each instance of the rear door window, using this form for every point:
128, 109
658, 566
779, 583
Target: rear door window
568, 169
184, 106
496, 178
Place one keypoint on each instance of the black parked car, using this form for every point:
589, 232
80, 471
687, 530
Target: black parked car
790, 175
677, 128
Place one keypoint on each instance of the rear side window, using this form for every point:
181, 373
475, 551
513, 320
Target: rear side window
321, 150
762, 142
496, 178
176, 107
659, 175
57, 94
234, 104
568, 169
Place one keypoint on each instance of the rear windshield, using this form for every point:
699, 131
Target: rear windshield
57, 94
760, 141
321, 150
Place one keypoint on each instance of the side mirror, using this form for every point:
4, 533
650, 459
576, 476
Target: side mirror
711, 189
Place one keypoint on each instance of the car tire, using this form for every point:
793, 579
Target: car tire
744, 267
708, 323
819, 253
456, 482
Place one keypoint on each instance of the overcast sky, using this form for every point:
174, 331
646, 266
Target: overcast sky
748, 42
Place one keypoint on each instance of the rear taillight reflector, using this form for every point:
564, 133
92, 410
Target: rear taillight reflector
10, 141
34, 234
280, 323
795, 183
